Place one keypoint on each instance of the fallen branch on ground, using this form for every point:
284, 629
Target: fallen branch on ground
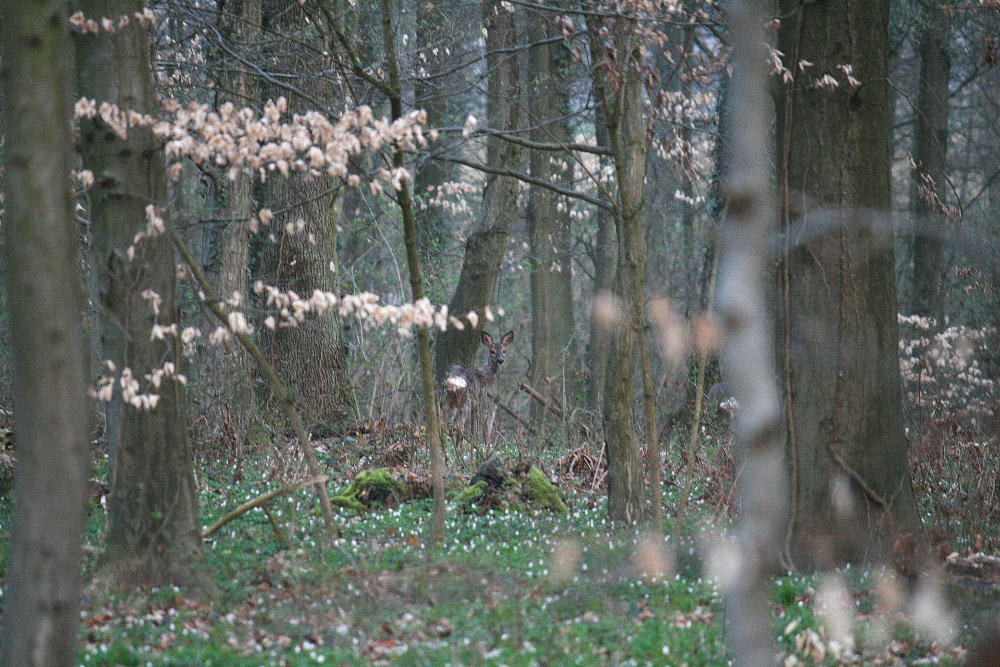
260, 500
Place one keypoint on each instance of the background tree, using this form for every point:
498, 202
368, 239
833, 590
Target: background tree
485, 246
312, 355
550, 235
45, 302
153, 531
230, 403
618, 69
930, 152
838, 335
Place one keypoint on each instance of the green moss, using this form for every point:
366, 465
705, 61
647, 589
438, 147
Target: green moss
541, 492
346, 500
369, 487
472, 493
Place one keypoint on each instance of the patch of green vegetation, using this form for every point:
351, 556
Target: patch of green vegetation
369, 488
472, 493
540, 491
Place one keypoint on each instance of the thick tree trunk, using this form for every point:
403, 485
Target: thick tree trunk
851, 486
485, 247
45, 305
311, 356
153, 532
549, 232
930, 153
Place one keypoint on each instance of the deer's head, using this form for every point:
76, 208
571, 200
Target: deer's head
496, 348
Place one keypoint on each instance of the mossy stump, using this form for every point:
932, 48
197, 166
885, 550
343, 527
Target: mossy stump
527, 489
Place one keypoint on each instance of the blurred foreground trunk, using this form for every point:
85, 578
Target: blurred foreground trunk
42, 275
748, 344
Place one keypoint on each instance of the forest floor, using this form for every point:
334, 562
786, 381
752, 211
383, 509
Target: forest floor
508, 586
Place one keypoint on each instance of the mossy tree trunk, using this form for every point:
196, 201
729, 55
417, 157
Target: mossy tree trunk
52, 415
153, 530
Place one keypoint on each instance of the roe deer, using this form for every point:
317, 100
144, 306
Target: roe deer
465, 388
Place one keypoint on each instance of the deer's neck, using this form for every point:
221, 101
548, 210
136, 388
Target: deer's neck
488, 371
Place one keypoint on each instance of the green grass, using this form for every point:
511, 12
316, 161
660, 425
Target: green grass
493, 593
509, 588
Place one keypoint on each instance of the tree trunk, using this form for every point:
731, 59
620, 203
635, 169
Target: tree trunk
748, 348
627, 133
851, 486
405, 201
230, 404
311, 356
431, 95
153, 530
603, 255
549, 231
45, 304
930, 153
485, 247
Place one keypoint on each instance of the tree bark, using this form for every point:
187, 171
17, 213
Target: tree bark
748, 348
851, 489
405, 201
313, 355
153, 530
45, 304
230, 405
603, 256
549, 230
432, 95
622, 103
930, 152
485, 247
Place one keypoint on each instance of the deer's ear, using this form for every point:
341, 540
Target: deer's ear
508, 338
486, 339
